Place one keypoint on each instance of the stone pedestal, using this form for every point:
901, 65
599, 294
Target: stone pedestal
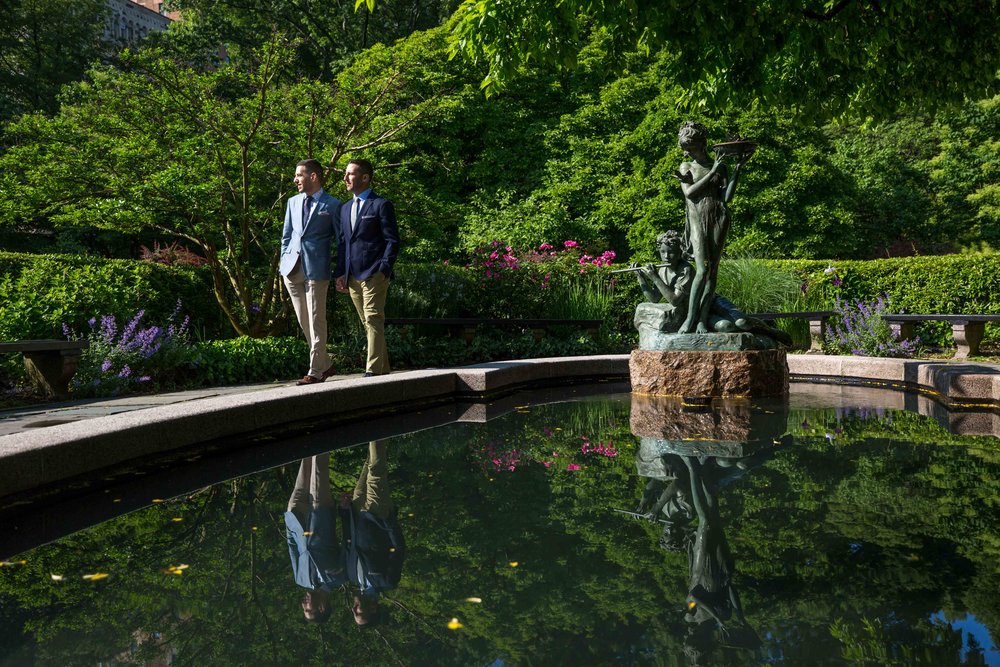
737, 373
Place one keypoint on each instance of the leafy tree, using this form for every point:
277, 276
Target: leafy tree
45, 44
205, 157
834, 58
328, 34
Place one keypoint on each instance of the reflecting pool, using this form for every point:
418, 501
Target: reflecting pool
606, 530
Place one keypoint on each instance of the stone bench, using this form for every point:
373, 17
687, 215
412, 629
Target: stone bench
818, 320
50, 363
467, 326
967, 330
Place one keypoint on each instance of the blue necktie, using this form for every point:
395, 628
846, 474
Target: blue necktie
306, 207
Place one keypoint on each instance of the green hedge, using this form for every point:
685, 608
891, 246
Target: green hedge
947, 284
40, 293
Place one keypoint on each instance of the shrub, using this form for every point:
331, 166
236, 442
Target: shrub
861, 330
130, 358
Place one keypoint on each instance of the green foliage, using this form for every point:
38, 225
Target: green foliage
758, 287
45, 44
848, 59
40, 293
246, 360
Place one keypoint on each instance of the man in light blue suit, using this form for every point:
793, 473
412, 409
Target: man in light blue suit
306, 239
310, 528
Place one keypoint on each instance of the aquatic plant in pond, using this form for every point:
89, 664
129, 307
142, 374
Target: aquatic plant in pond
131, 357
860, 329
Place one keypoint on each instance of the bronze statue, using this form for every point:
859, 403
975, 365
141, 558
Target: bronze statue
708, 187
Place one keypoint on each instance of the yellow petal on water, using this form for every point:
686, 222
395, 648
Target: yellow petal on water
177, 519
474, 600
307, 532
11, 563
692, 604
97, 576
117, 500
157, 500
454, 624
253, 528
176, 569
392, 549
513, 563
410, 515
56, 577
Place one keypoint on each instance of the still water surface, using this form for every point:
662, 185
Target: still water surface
603, 531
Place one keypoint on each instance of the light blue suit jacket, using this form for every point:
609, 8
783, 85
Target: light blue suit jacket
309, 240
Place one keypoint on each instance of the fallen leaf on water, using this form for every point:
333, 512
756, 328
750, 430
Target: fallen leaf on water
97, 576
513, 563
475, 600
157, 500
56, 577
177, 519
177, 569
11, 563
454, 624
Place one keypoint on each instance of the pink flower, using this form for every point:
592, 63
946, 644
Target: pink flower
547, 464
544, 247
573, 467
446, 262
571, 244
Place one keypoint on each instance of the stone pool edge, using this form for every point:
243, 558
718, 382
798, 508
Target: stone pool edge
50, 455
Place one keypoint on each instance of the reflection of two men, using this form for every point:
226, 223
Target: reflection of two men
369, 555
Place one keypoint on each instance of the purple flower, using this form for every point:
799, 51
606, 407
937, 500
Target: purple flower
92, 321
106, 366
144, 378
837, 281
804, 287
109, 327
67, 331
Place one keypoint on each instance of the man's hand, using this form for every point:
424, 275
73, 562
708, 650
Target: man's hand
341, 284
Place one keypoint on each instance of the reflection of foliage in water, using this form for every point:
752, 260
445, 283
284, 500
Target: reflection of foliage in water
862, 527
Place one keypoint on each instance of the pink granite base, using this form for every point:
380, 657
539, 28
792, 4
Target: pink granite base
690, 373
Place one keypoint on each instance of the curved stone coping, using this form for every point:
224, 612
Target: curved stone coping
46, 456
953, 384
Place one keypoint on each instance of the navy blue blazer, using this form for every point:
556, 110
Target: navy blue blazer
374, 243
309, 240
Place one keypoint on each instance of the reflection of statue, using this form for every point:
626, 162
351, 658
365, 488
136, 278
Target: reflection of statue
667, 291
373, 538
317, 557
707, 189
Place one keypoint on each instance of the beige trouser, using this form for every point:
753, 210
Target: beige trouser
369, 300
371, 494
312, 487
309, 301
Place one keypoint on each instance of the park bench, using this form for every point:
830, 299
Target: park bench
817, 319
467, 326
967, 330
50, 363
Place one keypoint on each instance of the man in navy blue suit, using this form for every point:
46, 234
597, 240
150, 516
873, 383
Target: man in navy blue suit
367, 246
310, 219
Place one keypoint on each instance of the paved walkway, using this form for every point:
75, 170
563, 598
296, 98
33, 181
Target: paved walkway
29, 417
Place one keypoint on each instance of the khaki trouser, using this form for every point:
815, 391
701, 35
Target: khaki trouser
309, 301
312, 488
369, 300
371, 494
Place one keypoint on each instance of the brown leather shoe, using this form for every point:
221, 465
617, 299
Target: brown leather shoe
329, 372
308, 379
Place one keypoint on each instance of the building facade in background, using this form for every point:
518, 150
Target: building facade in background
129, 21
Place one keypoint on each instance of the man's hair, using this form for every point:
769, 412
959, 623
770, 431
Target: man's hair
321, 616
364, 167
312, 166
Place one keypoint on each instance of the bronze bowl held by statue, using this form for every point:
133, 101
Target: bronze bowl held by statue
741, 148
